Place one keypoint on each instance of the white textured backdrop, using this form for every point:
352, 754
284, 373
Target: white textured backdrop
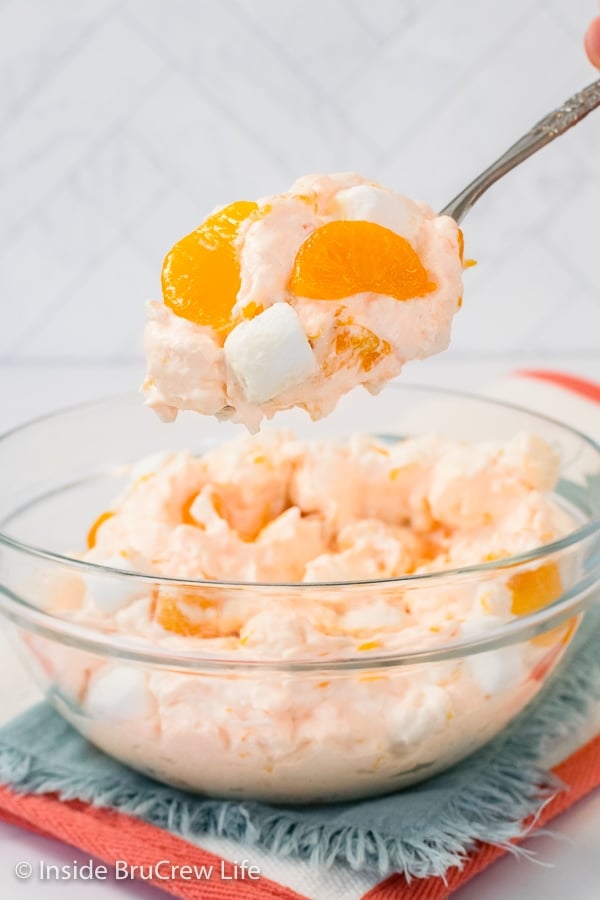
124, 121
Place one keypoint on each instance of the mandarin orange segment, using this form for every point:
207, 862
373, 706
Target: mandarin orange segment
360, 344
92, 535
171, 617
186, 515
203, 617
201, 273
534, 589
349, 257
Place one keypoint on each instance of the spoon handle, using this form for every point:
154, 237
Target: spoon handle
551, 126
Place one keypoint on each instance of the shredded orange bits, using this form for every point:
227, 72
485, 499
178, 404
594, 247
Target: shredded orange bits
93, 532
534, 588
252, 309
348, 257
466, 263
201, 273
368, 645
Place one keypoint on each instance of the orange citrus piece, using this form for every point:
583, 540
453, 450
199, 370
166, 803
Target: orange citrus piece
534, 588
93, 532
355, 342
186, 515
201, 273
171, 617
348, 257
208, 624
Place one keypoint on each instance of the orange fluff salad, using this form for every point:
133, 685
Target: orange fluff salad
294, 300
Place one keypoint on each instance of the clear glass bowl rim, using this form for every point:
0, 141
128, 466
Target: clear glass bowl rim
85, 637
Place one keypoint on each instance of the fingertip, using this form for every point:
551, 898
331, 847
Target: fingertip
592, 42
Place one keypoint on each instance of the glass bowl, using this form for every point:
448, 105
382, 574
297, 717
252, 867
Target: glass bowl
265, 724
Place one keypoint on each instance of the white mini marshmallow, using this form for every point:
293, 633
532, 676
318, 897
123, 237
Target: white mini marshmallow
497, 670
270, 353
110, 593
372, 204
421, 713
494, 670
119, 694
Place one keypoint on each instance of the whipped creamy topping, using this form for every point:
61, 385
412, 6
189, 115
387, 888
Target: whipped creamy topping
273, 508
281, 349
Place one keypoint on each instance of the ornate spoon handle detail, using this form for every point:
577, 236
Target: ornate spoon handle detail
546, 130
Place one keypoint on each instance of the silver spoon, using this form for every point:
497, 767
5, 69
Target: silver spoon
551, 126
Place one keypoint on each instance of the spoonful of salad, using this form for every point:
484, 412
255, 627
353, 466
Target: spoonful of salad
295, 299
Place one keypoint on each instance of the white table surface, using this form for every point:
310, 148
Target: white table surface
570, 860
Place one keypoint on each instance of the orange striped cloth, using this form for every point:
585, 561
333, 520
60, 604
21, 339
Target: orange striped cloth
110, 836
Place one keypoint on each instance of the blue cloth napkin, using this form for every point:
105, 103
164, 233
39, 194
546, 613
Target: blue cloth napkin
420, 831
